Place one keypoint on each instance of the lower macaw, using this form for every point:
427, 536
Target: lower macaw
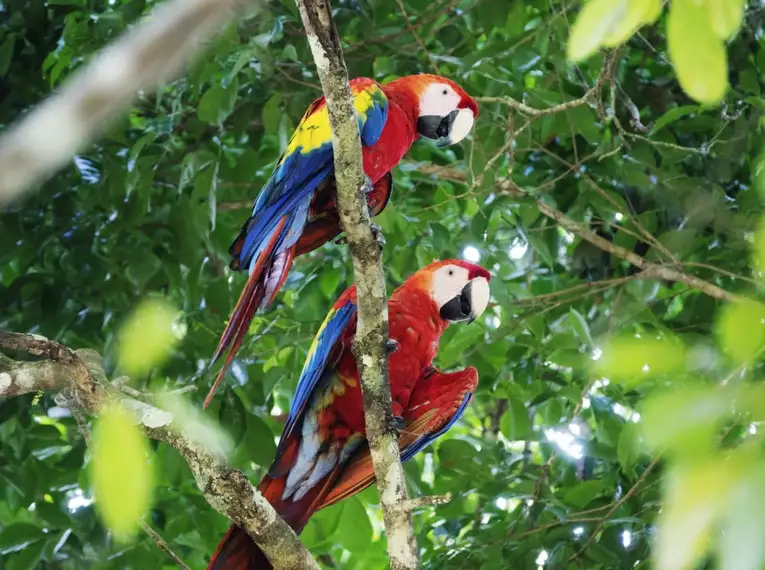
323, 455
295, 211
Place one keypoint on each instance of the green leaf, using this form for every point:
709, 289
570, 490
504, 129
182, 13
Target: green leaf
28, 558
584, 493
740, 329
673, 115
758, 246
579, 324
515, 422
696, 52
628, 446
455, 453
272, 114
218, 102
122, 474
328, 283
6, 54
355, 529
18, 534
147, 337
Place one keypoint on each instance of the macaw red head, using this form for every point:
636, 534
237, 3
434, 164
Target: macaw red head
459, 289
445, 112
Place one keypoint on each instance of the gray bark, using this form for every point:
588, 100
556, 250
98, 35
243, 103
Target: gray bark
372, 327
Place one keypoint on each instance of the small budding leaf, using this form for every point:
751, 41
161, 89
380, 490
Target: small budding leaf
121, 472
697, 53
725, 16
741, 329
630, 360
147, 337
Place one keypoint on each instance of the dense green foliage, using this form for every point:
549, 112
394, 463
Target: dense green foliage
546, 467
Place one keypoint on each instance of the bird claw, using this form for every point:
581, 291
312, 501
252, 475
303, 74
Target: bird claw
367, 186
342, 240
397, 425
391, 346
377, 234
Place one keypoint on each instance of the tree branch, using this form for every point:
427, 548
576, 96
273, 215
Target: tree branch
650, 269
80, 377
372, 327
144, 57
605, 74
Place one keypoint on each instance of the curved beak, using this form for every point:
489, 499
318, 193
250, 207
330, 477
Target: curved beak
447, 130
469, 304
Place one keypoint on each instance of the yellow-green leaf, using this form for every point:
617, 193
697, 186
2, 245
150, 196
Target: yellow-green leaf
743, 523
147, 337
697, 53
631, 360
596, 19
639, 13
685, 420
694, 496
741, 329
608, 23
725, 16
121, 472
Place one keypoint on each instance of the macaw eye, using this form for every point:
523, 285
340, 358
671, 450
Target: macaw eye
451, 272
445, 91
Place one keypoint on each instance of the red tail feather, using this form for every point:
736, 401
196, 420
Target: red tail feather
237, 551
248, 303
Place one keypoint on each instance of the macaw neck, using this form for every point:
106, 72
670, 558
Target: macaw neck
415, 323
397, 137
405, 101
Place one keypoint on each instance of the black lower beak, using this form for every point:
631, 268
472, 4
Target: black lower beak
458, 309
437, 127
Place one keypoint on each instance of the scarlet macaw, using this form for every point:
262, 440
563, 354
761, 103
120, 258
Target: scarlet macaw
295, 212
323, 455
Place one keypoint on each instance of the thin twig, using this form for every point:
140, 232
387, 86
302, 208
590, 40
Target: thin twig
163, 546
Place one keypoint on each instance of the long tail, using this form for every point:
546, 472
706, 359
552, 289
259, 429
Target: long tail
266, 278
237, 551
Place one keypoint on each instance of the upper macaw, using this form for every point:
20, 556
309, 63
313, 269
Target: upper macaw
323, 456
295, 211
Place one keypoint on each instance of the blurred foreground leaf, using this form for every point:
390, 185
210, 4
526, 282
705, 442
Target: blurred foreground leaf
147, 337
121, 472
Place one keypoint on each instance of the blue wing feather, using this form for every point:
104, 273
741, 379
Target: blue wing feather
298, 174
428, 438
329, 334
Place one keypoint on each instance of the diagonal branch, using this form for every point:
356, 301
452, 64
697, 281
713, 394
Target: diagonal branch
372, 327
649, 268
605, 74
80, 377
